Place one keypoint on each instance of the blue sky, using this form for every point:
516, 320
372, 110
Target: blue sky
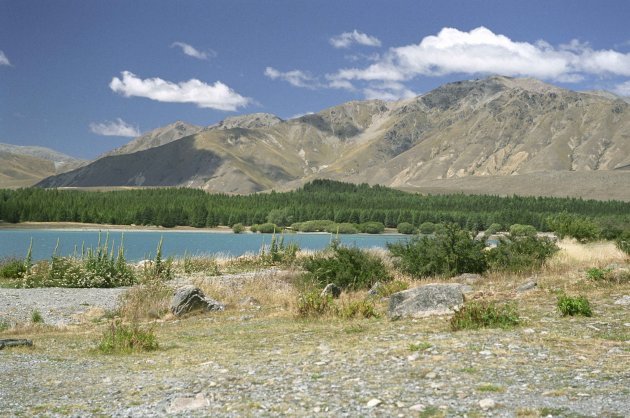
83, 77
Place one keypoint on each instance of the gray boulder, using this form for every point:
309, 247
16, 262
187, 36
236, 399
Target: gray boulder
527, 286
427, 300
375, 289
190, 298
332, 290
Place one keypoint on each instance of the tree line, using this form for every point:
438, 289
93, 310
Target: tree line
319, 200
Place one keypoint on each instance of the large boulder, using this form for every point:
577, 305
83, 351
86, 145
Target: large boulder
427, 300
190, 298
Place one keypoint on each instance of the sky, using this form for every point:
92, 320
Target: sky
83, 77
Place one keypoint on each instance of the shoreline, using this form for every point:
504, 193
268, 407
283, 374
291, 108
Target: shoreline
78, 226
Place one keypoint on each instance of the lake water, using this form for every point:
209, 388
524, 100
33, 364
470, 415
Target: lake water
140, 245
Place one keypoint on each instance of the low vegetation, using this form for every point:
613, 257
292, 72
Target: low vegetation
483, 314
120, 338
574, 305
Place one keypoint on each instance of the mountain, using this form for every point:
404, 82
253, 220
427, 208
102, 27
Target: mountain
488, 128
22, 166
156, 138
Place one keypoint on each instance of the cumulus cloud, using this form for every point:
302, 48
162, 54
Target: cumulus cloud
114, 128
296, 78
194, 52
3, 59
481, 51
214, 96
623, 89
346, 39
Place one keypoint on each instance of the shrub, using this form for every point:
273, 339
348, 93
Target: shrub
371, 227
426, 228
359, 309
266, 228
147, 301
278, 252
481, 314
453, 251
125, 339
158, 269
493, 229
36, 317
420, 346
347, 267
313, 226
406, 228
4, 325
623, 242
12, 268
238, 228
342, 228
597, 274
313, 304
578, 227
199, 264
520, 253
518, 230
571, 306
387, 289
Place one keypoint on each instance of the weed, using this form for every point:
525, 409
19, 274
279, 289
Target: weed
420, 346
146, 301
125, 339
312, 304
198, 264
12, 268
36, 317
481, 314
4, 325
487, 387
571, 306
358, 309
387, 289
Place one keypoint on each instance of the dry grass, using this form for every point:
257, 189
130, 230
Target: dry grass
146, 301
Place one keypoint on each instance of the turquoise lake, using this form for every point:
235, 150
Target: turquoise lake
142, 244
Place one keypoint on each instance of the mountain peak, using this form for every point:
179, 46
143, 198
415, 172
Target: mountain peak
250, 121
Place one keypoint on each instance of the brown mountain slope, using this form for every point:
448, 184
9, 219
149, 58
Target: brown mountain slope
487, 128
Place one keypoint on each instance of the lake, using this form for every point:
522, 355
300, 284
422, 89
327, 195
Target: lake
142, 244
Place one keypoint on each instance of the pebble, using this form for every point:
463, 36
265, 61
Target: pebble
487, 403
372, 403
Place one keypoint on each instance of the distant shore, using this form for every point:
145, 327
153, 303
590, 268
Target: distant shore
78, 226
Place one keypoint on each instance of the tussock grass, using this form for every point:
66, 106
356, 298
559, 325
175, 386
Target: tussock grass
147, 301
120, 338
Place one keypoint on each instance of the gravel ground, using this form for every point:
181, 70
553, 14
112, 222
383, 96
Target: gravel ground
58, 306
252, 361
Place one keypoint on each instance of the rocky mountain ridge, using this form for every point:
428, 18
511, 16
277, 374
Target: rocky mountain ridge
498, 126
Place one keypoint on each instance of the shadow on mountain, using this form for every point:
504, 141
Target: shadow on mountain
176, 163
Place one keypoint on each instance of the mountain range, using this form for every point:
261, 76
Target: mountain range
496, 135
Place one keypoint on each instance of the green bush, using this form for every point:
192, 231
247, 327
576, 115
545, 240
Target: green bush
571, 306
451, 252
493, 229
342, 228
623, 242
238, 228
347, 267
313, 304
278, 252
36, 317
406, 228
124, 339
520, 253
567, 225
372, 227
266, 228
359, 309
426, 228
313, 226
387, 289
481, 314
518, 230
12, 268
597, 274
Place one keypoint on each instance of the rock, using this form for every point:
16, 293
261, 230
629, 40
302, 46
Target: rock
332, 290
374, 403
14, 343
468, 278
375, 289
625, 300
190, 298
528, 285
487, 403
187, 404
427, 300
417, 407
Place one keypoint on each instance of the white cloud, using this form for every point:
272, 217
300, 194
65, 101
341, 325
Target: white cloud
389, 91
296, 78
114, 128
194, 52
622, 89
3, 59
482, 51
214, 96
346, 39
